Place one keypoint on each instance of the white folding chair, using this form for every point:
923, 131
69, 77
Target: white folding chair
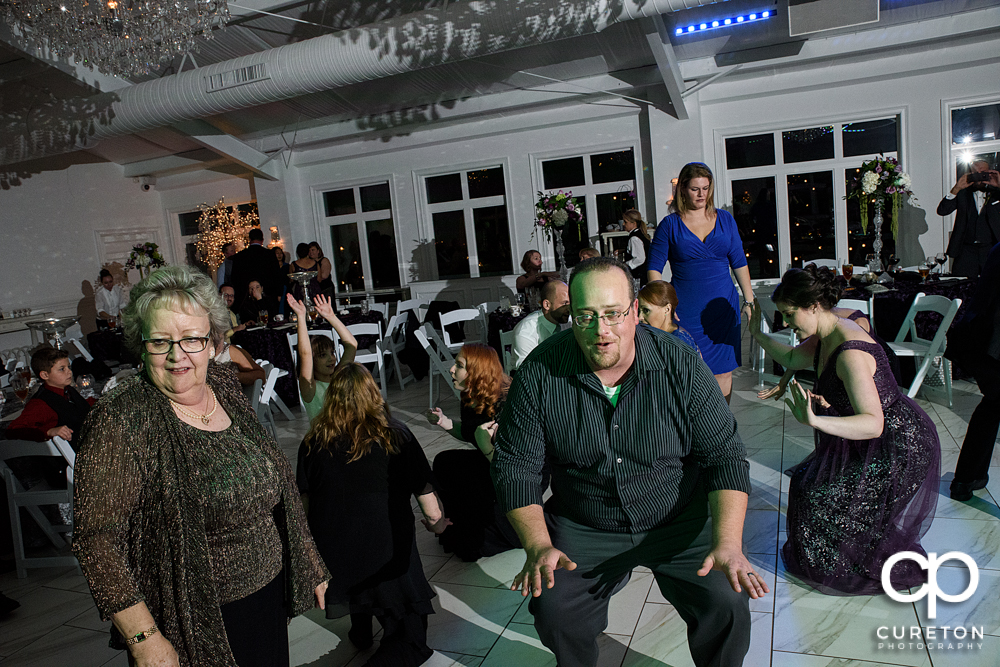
507, 345
394, 342
31, 500
77, 345
453, 317
275, 400
866, 307
293, 341
381, 308
828, 263
374, 354
786, 336
921, 347
441, 360
411, 304
263, 396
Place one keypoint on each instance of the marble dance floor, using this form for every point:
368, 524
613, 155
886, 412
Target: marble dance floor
480, 622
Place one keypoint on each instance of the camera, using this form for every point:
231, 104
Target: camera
978, 177
146, 182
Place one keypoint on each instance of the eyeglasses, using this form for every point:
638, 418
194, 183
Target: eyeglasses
612, 318
190, 345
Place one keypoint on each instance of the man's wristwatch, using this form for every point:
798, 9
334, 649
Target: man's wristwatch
142, 636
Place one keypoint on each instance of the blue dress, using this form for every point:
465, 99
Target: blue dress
708, 305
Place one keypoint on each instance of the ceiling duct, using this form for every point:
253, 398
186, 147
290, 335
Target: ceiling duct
403, 44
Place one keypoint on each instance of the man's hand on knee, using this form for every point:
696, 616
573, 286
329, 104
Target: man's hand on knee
737, 569
540, 567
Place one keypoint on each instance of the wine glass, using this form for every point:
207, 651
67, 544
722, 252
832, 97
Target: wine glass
21, 383
262, 316
941, 258
931, 263
848, 270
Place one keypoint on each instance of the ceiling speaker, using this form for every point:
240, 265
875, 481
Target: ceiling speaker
809, 16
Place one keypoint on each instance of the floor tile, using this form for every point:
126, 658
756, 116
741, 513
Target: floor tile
64, 646
469, 619
979, 538
980, 611
980, 656
42, 611
492, 572
783, 659
760, 528
806, 621
661, 639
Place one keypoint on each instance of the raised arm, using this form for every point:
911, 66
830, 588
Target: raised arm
795, 358
325, 308
307, 384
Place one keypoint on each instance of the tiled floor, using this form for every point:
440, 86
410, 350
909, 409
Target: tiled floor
480, 622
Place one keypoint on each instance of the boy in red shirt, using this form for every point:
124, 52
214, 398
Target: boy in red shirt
56, 408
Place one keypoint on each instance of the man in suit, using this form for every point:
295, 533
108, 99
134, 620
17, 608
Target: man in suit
977, 222
255, 262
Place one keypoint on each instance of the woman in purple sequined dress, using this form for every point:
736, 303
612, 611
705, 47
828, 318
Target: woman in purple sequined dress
870, 488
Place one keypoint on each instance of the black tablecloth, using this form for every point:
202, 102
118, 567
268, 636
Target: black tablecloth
271, 343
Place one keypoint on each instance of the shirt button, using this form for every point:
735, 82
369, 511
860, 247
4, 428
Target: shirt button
619, 460
614, 427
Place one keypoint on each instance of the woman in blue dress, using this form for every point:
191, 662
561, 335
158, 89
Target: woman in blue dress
702, 244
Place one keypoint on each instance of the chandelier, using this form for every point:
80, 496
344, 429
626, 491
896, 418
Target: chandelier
118, 37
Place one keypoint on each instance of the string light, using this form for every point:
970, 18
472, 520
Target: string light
724, 22
220, 225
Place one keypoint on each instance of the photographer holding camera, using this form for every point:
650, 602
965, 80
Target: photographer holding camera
976, 198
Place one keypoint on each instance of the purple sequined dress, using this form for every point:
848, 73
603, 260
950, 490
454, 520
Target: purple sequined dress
854, 503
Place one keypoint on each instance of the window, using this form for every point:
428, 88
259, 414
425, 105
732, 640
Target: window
603, 185
363, 237
188, 222
975, 136
787, 188
467, 211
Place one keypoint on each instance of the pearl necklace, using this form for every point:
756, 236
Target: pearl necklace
205, 418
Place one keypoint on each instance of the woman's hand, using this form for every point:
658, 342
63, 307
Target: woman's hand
775, 392
157, 651
321, 595
438, 418
754, 316
801, 404
436, 527
297, 306
748, 309
324, 307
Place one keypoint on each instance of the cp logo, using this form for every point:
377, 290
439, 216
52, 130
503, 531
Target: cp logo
930, 590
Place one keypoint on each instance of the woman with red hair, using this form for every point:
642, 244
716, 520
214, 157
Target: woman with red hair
479, 527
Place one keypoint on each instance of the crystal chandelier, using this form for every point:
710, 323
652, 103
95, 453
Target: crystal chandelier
118, 37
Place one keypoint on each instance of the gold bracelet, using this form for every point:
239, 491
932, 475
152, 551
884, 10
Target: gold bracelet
142, 636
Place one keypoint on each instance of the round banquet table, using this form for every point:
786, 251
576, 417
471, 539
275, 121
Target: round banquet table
501, 320
271, 343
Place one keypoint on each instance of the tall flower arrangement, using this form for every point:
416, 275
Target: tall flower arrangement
878, 181
145, 257
553, 211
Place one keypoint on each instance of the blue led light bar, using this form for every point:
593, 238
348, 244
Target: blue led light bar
742, 19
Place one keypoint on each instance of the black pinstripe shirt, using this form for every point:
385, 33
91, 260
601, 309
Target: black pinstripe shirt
628, 468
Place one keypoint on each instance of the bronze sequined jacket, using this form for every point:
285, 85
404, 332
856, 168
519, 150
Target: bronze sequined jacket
139, 528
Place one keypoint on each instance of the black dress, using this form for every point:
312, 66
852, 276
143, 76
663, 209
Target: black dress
360, 517
479, 527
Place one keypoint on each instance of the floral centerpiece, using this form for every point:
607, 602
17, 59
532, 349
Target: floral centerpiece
877, 181
553, 211
145, 257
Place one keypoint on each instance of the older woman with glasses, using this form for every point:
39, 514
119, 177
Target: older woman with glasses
188, 522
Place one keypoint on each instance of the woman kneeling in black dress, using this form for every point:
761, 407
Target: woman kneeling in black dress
357, 468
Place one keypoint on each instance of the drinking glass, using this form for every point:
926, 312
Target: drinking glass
931, 264
365, 307
848, 270
924, 271
21, 383
941, 258
505, 303
262, 318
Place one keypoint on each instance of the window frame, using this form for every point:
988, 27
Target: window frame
838, 164
360, 219
587, 192
952, 152
425, 211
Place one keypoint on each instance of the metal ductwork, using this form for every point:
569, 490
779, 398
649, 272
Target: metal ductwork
422, 39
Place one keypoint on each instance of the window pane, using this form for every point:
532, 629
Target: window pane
375, 198
444, 188
189, 222
975, 124
814, 143
859, 245
874, 136
382, 253
610, 207
348, 273
753, 151
810, 216
611, 167
965, 163
450, 245
564, 173
486, 183
339, 202
756, 216
191, 250
492, 240
575, 236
